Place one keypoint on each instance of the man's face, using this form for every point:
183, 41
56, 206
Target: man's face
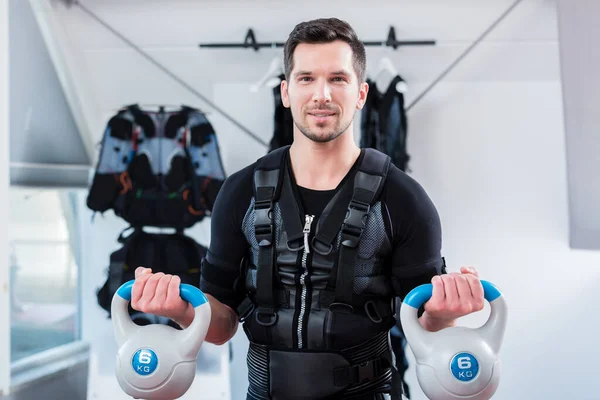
323, 91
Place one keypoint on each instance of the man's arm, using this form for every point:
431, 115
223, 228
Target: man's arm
416, 232
223, 322
221, 270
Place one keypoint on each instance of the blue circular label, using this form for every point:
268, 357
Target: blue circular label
144, 361
464, 366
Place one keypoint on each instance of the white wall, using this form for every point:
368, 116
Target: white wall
4, 213
487, 144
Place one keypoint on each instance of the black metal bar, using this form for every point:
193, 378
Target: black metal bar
255, 46
398, 43
250, 42
277, 44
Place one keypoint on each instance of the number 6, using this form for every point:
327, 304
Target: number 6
145, 357
464, 363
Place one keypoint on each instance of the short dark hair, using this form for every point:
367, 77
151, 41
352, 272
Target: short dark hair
325, 30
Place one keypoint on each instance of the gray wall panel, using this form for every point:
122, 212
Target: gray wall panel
42, 128
579, 31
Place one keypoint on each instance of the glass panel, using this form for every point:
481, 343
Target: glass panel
43, 271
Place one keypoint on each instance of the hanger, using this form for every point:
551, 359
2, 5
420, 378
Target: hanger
271, 78
158, 107
386, 65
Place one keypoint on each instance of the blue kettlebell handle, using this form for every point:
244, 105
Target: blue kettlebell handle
189, 293
419, 295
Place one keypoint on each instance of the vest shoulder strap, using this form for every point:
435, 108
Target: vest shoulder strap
267, 183
375, 164
267, 177
368, 184
358, 194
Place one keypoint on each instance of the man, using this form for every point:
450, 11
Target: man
311, 244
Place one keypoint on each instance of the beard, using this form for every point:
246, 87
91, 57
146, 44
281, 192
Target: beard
322, 135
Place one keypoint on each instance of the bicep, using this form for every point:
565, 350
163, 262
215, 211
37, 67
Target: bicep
228, 245
416, 238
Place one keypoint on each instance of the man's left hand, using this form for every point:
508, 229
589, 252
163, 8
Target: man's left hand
455, 295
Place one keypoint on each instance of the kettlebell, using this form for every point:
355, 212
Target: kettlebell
456, 362
158, 361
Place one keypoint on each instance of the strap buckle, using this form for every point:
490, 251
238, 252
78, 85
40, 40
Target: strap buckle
354, 223
372, 312
269, 313
367, 371
263, 225
320, 247
341, 307
356, 214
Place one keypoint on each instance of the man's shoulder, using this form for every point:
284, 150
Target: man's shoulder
404, 191
395, 176
399, 180
240, 182
242, 174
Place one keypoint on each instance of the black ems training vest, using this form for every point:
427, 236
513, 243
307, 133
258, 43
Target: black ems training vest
176, 254
158, 168
318, 309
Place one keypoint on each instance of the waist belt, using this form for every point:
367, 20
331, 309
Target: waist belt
293, 374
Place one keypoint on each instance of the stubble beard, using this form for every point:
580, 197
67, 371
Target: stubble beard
333, 134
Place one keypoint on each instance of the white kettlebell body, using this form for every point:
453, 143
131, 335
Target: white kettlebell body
158, 361
457, 362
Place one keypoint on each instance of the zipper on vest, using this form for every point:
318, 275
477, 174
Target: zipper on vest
307, 225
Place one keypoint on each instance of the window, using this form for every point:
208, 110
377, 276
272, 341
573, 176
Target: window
43, 271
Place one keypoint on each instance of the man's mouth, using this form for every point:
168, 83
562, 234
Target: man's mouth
322, 114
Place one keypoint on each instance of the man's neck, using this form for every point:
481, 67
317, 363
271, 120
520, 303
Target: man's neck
322, 166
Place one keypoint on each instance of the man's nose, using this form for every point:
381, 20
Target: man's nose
322, 93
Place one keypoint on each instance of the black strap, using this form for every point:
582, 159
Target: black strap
266, 191
368, 361
368, 182
196, 200
290, 213
359, 373
136, 231
265, 184
397, 388
331, 217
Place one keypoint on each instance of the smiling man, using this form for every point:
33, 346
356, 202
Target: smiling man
311, 244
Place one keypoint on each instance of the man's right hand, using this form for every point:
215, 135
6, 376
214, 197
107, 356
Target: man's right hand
158, 294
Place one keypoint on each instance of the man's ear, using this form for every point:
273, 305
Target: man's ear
284, 94
362, 95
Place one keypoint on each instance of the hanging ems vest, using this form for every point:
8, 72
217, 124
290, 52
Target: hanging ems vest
158, 168
175, 254
384, 123
314, 331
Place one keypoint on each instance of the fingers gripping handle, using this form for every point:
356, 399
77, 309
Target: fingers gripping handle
195, 333
419, 295
189, 293
493, 329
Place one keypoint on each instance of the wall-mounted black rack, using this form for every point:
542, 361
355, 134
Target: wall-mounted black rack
250, 42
